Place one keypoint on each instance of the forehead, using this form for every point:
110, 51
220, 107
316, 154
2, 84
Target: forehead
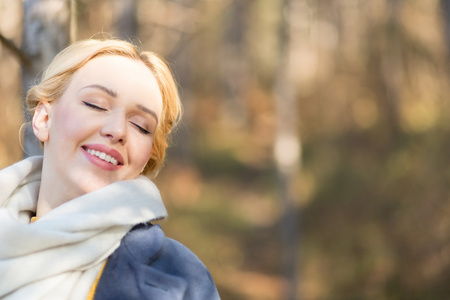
129, 78
114, 68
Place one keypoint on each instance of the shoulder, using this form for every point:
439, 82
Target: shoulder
148, 265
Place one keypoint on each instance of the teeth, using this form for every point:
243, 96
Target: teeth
103, 156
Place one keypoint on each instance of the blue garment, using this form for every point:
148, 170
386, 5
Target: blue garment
148, 265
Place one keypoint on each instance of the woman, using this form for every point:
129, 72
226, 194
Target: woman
75, 223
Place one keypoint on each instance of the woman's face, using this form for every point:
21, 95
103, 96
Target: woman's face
102, 128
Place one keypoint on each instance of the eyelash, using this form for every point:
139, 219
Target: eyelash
142, 130
95, 107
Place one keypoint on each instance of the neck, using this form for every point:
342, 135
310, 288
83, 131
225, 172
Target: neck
52, 193
49, 199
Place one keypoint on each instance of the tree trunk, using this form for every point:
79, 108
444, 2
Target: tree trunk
125, 23
392, 68
287, 151
445, 5
45, 33
234, 64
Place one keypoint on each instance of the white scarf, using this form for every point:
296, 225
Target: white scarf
60, 255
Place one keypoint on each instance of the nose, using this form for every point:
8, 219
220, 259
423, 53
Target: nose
114, 128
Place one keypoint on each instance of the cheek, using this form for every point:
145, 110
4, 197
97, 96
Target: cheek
141, 153
68, 126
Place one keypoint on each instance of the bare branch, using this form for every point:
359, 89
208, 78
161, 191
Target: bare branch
15, 50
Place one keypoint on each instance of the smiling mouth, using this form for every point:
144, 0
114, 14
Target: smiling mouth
103, 156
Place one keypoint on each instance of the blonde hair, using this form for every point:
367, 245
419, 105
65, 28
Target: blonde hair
57, 76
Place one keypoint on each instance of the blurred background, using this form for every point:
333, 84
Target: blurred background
311, 162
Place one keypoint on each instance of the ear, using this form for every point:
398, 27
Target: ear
41, 121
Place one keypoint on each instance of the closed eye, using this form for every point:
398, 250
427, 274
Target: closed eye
94, 107
142, 130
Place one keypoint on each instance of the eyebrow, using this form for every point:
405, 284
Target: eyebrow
148, 111
114, 95
103, 88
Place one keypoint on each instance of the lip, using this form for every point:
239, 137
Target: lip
99, 162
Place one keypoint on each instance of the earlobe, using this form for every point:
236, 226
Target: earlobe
41, 121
